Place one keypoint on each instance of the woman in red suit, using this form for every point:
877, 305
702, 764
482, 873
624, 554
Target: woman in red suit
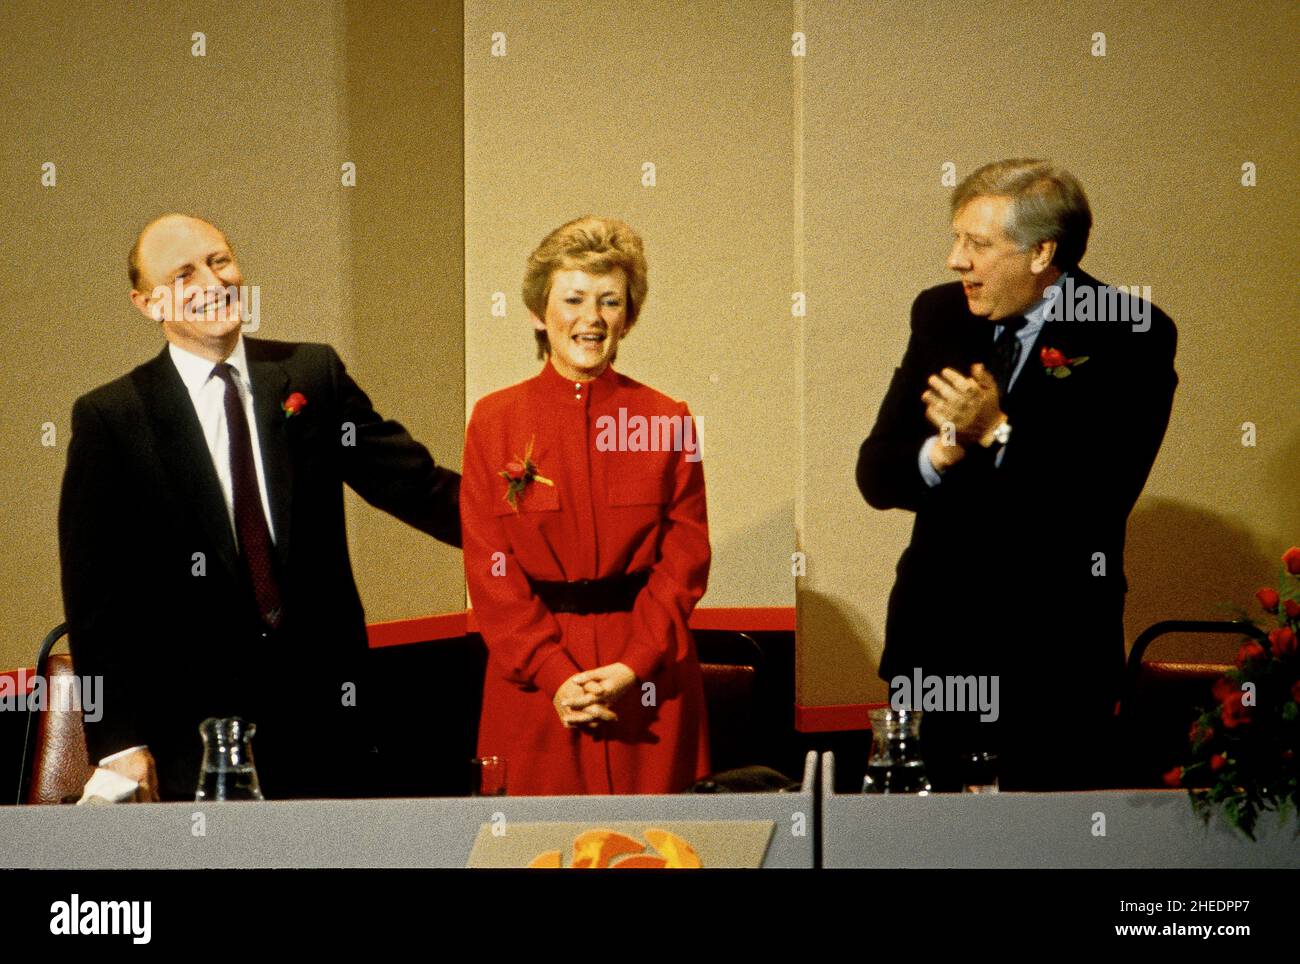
587, 543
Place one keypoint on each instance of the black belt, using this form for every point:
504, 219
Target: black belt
613, 594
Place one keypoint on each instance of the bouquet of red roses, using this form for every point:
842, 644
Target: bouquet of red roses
1243, 749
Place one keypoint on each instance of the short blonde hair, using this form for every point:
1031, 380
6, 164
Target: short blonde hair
1047, 204
592, 244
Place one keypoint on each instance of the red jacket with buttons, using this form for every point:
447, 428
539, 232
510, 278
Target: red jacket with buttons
627, 493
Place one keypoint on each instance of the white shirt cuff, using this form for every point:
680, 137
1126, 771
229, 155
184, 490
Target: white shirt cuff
928, 471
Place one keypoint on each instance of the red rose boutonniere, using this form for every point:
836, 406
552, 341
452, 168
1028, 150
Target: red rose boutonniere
518, 473
293, 404
1057, 365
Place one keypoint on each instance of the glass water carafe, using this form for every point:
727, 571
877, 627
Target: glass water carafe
896, 765
228, 772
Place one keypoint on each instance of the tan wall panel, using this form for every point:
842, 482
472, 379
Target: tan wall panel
406, 273
560, 127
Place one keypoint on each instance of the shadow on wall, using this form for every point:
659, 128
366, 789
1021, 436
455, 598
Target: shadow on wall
1282, 481
1182, 562
847, 664
1186, 562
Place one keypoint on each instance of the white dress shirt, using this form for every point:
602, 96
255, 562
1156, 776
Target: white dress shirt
208, 393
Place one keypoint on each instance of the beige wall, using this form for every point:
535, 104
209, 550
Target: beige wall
773, 175
560, 127
405, 233
251, 136
1157, 131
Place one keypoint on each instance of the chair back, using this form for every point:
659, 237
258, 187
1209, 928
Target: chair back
55, 764
61, 767
1162, 698
730, 663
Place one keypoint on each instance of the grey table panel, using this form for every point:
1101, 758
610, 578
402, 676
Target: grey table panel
1143, 828
435, 832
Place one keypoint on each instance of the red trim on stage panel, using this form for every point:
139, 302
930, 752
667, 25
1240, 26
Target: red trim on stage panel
840, 716
28, 680
399, 632
755, 619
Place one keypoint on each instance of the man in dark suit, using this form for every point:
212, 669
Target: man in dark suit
1020, 429
202, 534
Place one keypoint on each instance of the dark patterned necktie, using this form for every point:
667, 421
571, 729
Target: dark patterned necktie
250, 521
1006, 352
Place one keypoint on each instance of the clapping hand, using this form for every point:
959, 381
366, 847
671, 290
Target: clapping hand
971, 405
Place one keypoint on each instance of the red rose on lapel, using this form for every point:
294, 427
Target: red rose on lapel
519, 473
1056, 364
1052, 357
293, 404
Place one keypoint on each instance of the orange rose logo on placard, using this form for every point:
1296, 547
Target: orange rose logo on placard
609, 849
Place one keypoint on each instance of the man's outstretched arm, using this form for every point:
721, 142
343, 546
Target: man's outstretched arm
390, 469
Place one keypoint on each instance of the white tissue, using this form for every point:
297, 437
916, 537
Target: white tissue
105, 786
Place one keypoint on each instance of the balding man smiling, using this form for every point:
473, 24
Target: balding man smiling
201, 532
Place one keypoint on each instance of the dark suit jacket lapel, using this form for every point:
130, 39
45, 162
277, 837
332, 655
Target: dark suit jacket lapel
183, 451
270, 383
1069, 337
